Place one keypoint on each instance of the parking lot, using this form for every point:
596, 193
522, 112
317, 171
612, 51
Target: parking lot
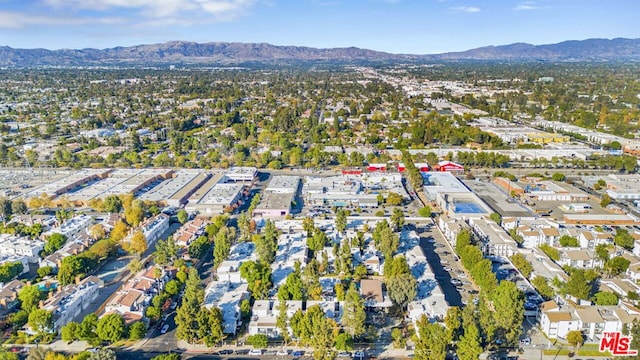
448, 270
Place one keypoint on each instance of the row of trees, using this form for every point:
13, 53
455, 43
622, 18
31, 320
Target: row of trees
196, 324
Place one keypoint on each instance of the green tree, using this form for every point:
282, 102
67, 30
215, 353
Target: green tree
88, 328
167, 357
10, 270
542, 286
353, 313
341, 220
54, 242
187, 314
558, 177
432, 341
110, 327
182, 216
315, 330
259, 341
605, 200
282, 321
394, 199
522, 264
343, 342
7, 355
41, 321
30, 297
294, 285
568, 241
496, 218
137, 331
137, 243
602, 252
317, 241
617, 265
402, 289
70, 331
134, 213
425, 211
166, 251
469, 346
453, 322
112, 204
575, 338
605, 298
210, 326
578, 285
267, 243
398, 338
623, 239
508, 303
389, 242
198, 247
153, 312
258, 276
44, 271
222, 246
397, 219
103, 354
550, 251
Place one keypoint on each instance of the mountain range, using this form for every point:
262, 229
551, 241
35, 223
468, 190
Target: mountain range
224, 53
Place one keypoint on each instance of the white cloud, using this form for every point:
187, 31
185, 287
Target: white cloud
160, 8
466, 9
14, 20
527, 5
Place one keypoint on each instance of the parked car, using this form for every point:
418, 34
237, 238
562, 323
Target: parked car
255, 352
359, 355
344, 354
298, 353
225, 352
283, 352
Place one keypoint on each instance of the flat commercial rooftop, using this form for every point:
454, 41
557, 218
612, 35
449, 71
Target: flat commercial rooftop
121, 181
497, 199
275, 201
442, 182
177, 187
283, 183
222, 194
74, 180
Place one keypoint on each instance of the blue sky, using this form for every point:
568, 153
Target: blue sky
397, 26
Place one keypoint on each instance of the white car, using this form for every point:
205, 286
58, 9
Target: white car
283, 352
256, 352
164, 329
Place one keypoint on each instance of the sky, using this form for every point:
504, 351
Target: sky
395, 26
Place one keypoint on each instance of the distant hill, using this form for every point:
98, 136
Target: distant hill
181, 52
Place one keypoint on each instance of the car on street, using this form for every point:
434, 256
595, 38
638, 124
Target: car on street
298, 353
225, 352
359, 355
283, 352
164, 329
344, 354
255, 352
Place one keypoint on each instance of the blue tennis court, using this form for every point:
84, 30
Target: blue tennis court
467, 208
